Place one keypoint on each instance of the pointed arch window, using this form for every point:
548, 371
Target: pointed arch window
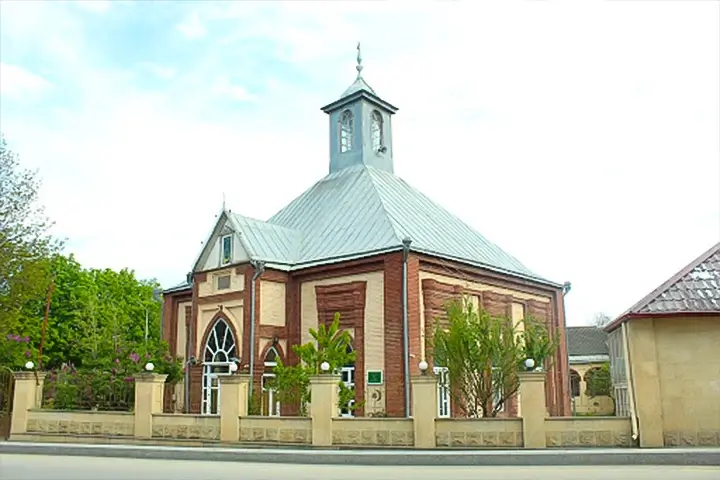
376, 130
346, 131
270, 404
220, 347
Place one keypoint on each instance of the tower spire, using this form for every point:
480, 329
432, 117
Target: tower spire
359, 65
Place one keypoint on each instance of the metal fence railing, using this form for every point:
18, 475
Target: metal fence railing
88, 390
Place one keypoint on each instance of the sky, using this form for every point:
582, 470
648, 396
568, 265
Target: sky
581, 137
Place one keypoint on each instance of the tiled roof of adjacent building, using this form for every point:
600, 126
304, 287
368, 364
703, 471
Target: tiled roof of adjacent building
360, 211
586, 341
694, 289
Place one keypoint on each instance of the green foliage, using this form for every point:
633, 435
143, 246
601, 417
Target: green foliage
483, 355
93, 314
598, 381
330, 344
25, 244
254, 404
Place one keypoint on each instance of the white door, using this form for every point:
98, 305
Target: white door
348, 378
211, 387
443, 392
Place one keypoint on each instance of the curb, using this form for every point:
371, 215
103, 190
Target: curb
676, 457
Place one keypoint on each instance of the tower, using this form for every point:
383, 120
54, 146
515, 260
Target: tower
360, 127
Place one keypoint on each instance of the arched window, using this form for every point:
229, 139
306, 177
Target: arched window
270, 404
220, 347
574, 383
376, 129
220, 352
346, 131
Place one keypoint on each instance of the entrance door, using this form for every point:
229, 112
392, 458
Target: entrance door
211, 386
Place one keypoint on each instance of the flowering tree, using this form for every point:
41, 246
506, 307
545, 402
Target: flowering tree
15, 351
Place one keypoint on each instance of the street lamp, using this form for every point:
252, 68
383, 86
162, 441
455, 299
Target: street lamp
529, 364
149, 367
233, 367
324, 366
423, 366
29, 365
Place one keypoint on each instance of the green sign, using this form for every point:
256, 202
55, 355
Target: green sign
375, 377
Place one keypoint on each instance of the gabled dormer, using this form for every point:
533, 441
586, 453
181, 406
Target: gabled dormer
360, 127
223, 247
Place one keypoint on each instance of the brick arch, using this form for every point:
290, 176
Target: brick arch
278, 348
220, 315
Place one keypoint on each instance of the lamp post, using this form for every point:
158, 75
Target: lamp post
149, 367
324, 366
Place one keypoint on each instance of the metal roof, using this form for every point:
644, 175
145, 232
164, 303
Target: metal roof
586, 341
694, 289
360, 211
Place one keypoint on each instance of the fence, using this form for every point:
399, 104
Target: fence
91, 390
148, 423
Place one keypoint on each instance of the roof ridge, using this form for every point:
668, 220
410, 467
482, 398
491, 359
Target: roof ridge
674, 279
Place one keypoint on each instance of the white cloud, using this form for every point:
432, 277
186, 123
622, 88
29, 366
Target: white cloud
192, 28
19, 83
580, 137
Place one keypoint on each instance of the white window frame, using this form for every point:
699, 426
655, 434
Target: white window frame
273, 405
497, 395
349, 372
223, 261
443, 392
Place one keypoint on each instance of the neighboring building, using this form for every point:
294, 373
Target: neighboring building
670, 381
587, 352
364, 243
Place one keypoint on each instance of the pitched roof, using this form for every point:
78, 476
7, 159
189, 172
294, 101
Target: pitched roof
586, 341
361, 211
694, 289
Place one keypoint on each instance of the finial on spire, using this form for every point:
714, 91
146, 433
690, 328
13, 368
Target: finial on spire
359, 66
223, 201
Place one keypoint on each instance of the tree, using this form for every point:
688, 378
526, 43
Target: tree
598, 381
483, 355
601, 319
25, 242
330, 344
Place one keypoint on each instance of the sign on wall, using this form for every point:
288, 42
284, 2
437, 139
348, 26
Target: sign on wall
374, 377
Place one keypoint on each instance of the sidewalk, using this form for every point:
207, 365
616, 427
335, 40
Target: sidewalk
674, 456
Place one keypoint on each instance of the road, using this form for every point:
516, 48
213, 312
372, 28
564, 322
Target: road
36, 467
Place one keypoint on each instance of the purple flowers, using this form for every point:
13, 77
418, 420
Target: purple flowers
27, 354
18, 338
134, 357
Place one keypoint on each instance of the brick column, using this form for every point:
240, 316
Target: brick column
532, 406
25, 398
323, 407
424, 410
234, 396
149, 392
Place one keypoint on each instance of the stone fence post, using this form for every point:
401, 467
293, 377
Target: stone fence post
424, 410
532, 407
234, 396
323, 407
149, 393
25, 397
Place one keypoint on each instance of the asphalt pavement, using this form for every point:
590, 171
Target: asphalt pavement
36, 467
